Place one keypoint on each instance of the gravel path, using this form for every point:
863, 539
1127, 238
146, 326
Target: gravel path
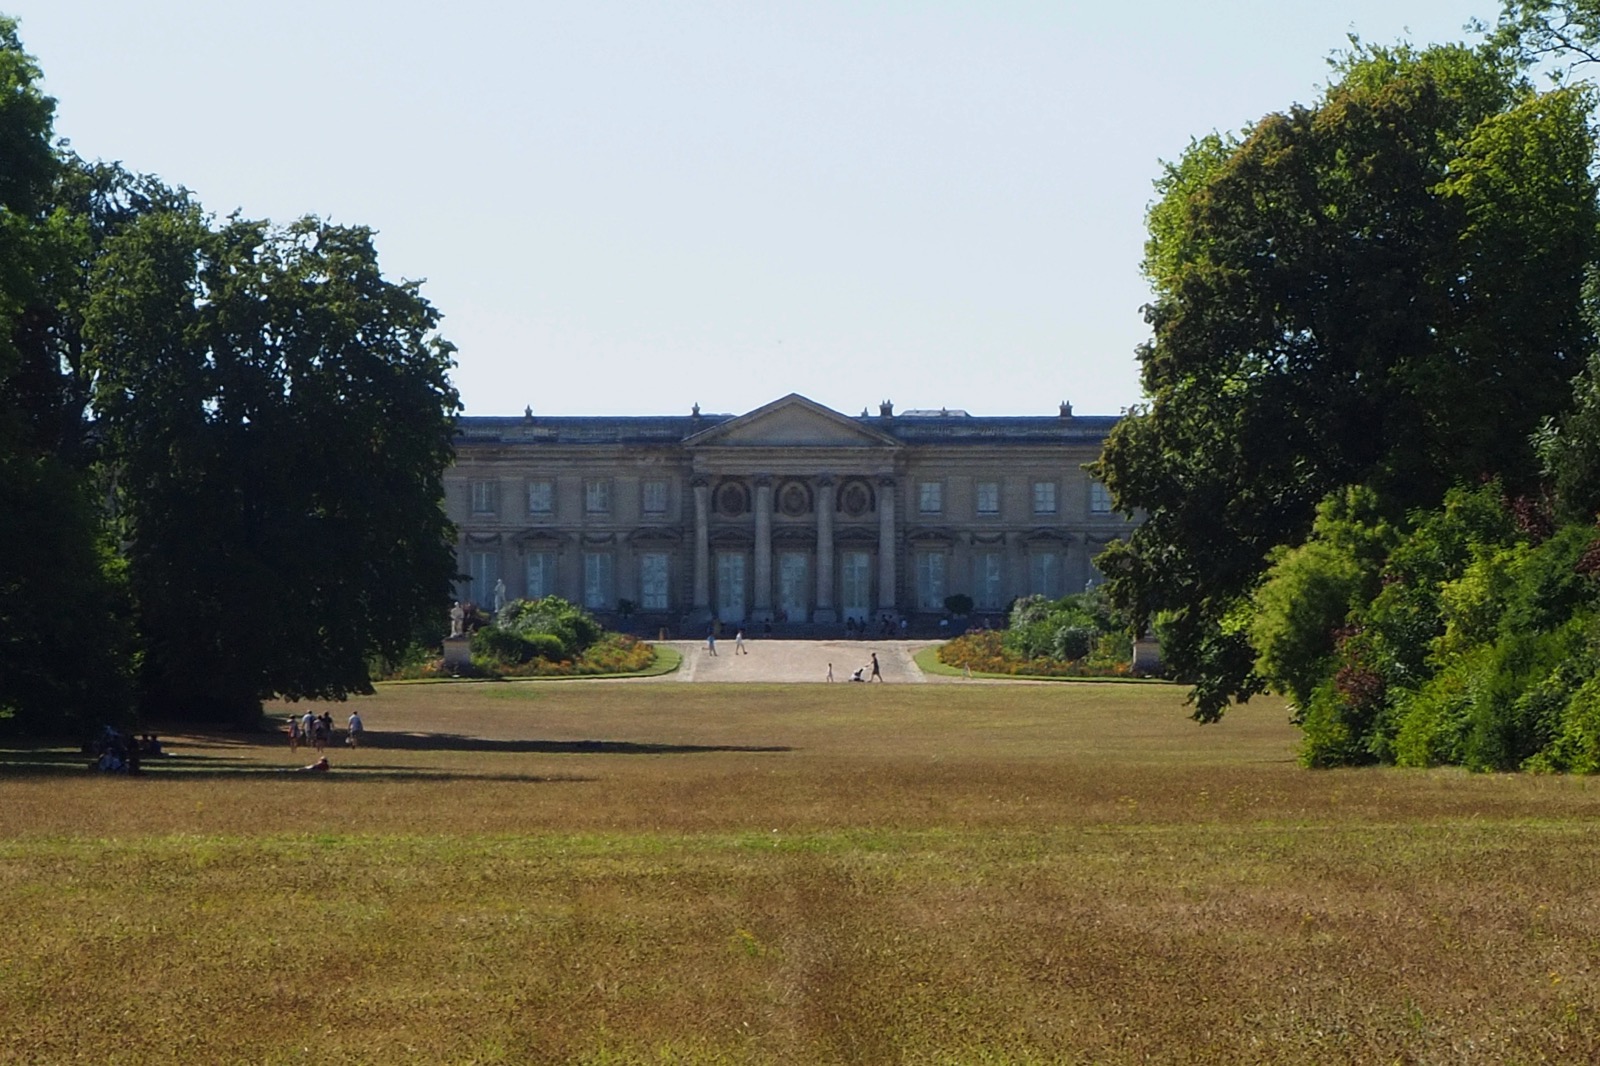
800, 660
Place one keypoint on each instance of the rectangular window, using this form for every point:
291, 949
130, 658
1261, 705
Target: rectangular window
1044, 575
1099, 498
655, 497
485, 570
794, 586
987, 567
541, 575
930, 580
988, 497
541, 497
485, 497
930, 497
597, 586
1044, 497
855, 584
597, 497
653, 581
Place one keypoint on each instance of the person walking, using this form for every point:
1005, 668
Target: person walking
294, 733
711, 643
738, 643
830, 672
877, 674
353, 730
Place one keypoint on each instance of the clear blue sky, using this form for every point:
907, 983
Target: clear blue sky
631, 207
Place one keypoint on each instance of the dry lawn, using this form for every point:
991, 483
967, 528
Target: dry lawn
665, 873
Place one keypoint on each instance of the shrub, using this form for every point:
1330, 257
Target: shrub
959, 605
1340, 717
501, 646
613, 653
1431, 725
986, 651
546, 646
1516, 711
1577, 748
1075, 636
569, 623
1072, 642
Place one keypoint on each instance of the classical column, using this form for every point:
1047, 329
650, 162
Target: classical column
763, 576
825, 612
886, 560
702, 549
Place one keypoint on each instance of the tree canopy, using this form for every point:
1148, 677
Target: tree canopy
1380, 289
221, 444
65, 645
278, 417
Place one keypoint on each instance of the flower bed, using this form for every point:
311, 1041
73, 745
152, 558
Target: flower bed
985, 652
613, 653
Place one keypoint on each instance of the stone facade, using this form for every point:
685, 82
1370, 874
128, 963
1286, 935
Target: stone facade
792, 514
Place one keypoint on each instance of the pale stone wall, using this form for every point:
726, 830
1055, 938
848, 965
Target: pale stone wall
807, 514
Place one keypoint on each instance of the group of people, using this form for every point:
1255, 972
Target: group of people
857, 627
315, 731
738, 643
116, 752
867, 672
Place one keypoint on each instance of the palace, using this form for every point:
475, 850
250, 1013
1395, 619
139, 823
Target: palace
792, 514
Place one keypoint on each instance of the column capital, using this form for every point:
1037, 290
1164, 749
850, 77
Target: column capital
825, 481
763, 481
700, 481
886, 481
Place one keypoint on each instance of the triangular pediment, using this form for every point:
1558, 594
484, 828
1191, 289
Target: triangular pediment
792, 422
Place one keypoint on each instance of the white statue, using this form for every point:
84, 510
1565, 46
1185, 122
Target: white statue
499, 596
458, 620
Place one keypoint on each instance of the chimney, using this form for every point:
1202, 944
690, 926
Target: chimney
886, 409
1066, 409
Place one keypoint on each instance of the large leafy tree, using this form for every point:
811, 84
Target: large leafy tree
1559, 31
64, 639
1381, 289
277, 417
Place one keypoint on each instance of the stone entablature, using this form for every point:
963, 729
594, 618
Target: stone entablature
792, 513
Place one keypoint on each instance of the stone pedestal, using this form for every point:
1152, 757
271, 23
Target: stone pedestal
457, 652
1146, 656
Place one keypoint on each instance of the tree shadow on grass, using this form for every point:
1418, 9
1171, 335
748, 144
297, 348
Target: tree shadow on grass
456, 742
183, 760
62, 762
460, 742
